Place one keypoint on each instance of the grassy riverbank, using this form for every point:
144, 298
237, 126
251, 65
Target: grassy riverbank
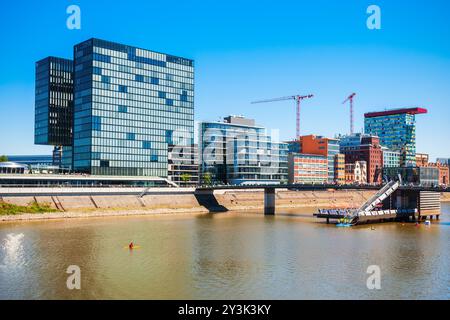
32, 207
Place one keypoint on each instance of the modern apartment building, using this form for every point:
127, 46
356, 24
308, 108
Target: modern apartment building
307, 168
396, 130
319, 145
237, 151
128, 105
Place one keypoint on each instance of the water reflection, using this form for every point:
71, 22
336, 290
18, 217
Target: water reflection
223, 256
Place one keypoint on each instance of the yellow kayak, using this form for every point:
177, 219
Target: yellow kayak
134, 247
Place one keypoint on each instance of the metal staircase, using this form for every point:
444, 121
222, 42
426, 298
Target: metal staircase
375, 200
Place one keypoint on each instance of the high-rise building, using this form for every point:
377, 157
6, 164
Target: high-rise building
115, 109
54, 102
237, 151
396, 130
307, 168
318, 145
129, 104
368, 150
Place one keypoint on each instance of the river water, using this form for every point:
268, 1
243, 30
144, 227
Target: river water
223, 256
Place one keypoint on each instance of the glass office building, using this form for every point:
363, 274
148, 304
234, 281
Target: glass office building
397, 131
423, 176
333, 154
238, 152
53, 102
129, 106
391, 159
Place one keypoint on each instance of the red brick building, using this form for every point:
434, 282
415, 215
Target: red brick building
369, 150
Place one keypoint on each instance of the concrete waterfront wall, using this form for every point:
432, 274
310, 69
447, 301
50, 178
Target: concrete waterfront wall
186, 199
445, 197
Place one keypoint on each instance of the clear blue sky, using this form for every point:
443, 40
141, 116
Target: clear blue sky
247, 50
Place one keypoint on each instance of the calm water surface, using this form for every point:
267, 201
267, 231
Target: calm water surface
225, 256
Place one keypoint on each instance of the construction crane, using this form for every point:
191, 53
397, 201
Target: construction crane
350, 98
298, 99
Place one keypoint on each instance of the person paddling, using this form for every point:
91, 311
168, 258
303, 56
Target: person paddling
131, 245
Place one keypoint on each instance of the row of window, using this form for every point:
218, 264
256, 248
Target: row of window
112, 84
166, 78
145, 56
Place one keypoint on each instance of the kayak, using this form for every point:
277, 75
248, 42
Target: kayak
134, 247
343, 225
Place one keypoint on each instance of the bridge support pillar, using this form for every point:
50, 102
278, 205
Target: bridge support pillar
269, 201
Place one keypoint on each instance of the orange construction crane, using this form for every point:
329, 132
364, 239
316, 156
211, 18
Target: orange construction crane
298, 99
350, 98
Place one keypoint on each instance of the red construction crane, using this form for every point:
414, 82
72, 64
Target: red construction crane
350, 98
298, 99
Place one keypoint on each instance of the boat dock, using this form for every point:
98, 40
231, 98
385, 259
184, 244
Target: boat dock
390, 204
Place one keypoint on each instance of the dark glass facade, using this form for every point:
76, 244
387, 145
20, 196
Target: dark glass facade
54, 102
424, 176
129, 104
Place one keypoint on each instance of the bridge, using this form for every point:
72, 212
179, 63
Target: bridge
392, 201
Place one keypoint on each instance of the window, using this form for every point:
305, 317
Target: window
123, 109
161, 94
169, 136
154, 80
139, 77
131, 136
183, 96
102, 58
169, 102
146, 144
106, 79
123, 89
97, 70
96, 155
96, 123
104, 163
154, 158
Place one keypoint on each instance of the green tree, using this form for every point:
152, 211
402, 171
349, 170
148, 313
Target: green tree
3, 158
185, 177
207, 179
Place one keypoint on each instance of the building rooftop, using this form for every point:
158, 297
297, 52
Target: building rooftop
9, 164
396, 111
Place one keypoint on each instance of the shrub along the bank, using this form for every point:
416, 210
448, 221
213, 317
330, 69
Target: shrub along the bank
32, 207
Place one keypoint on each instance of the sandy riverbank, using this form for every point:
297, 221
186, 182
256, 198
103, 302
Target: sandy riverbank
164, 204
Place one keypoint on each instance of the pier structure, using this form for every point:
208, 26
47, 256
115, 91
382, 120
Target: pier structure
391, 203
